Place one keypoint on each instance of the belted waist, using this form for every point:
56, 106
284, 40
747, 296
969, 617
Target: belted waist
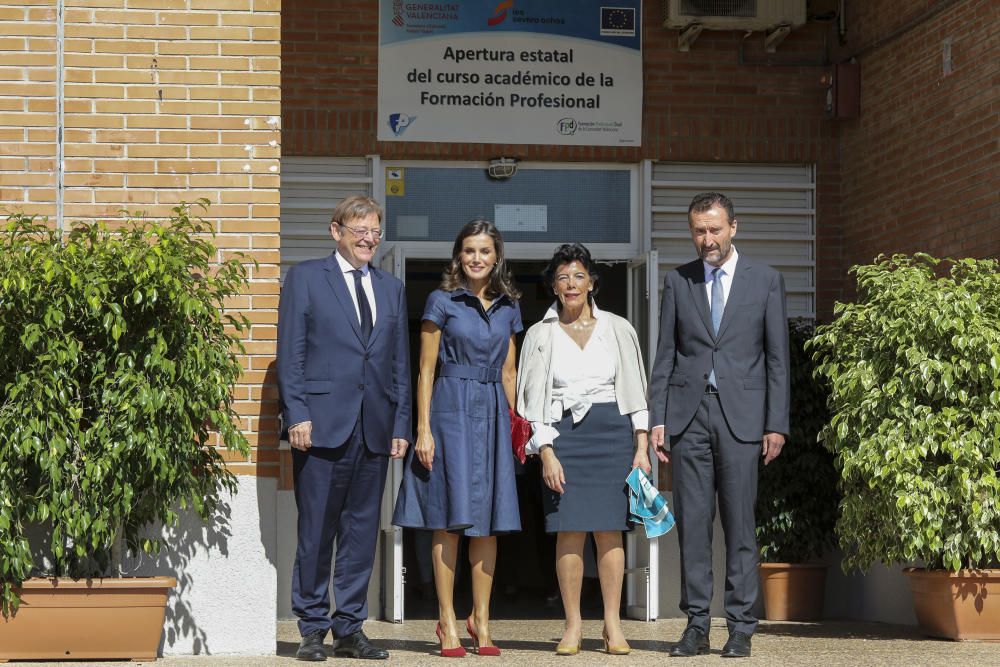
480, 373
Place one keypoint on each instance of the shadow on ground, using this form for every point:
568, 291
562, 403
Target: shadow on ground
839, 630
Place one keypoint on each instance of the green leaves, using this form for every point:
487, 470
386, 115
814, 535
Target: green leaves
915, 427
115, 363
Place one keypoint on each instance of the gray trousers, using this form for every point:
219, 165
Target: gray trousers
707, 459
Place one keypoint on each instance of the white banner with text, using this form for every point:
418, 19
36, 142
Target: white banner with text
511, 72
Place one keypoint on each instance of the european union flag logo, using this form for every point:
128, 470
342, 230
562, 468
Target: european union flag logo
618, 21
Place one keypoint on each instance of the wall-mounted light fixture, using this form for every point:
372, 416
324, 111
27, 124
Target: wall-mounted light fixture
502, 168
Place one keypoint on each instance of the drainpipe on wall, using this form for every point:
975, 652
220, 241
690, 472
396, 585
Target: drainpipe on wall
60, 113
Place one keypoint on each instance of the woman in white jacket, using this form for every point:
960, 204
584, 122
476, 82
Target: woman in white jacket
582, 385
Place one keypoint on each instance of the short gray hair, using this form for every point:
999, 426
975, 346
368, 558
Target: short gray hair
354, 207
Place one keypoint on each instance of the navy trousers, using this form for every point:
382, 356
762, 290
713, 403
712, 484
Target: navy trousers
709, 461
338, 493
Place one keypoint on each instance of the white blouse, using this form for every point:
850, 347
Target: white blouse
580, 378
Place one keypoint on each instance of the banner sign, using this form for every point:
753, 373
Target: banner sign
511, 72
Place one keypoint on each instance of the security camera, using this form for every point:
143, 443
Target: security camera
502, 168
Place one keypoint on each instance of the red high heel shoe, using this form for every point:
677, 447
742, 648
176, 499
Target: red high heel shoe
481, 650
457, 652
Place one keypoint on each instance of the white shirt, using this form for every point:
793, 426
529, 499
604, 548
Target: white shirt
580, 378
366, 285
725, 276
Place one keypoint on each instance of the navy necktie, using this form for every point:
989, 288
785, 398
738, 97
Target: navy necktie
363, 307
718, 306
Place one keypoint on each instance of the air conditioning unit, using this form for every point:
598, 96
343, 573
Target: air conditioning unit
735, 14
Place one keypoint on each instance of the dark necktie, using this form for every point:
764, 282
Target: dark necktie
363, 307
718, 306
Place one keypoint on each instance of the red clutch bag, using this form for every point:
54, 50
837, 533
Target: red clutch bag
520, 434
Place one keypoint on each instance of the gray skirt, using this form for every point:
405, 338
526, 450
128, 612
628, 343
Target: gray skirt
596, 456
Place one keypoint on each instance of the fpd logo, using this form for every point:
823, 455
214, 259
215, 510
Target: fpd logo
500, 13
566, 125
398, 122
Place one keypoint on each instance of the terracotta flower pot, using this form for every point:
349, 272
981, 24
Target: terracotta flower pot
957, 605
87, 619
793, 591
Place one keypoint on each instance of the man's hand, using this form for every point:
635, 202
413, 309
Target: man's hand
773, 442
300, 436
399, 446
656, 440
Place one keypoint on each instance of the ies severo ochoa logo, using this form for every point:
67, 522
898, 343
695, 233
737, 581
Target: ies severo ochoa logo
500, 13
398, 122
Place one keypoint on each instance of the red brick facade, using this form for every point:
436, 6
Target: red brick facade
919, 168
924, 146
701, 106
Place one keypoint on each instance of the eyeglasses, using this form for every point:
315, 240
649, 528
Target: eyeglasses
377, 233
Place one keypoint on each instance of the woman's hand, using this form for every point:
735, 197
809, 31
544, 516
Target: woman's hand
424, 449
552, 471
641, 460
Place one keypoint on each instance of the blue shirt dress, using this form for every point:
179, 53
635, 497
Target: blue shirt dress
471, 489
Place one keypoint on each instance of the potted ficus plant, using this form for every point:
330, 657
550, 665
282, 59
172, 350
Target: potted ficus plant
117, 364
914, 371
797, 497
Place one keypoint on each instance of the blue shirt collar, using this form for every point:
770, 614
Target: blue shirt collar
462, 291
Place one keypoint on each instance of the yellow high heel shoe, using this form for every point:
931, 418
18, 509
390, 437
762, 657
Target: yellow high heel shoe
614, 650
570, 649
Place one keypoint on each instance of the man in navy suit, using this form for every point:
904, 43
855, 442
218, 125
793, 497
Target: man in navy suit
344, 378
719, 390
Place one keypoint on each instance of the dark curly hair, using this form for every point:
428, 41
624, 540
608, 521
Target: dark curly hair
565, 254
501, 280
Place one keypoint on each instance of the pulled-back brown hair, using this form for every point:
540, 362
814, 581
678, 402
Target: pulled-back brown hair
501, 280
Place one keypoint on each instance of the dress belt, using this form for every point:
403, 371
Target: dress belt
480, 373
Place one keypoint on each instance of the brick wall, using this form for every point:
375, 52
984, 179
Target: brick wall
920, 165
28, 106
698, 106
165, 100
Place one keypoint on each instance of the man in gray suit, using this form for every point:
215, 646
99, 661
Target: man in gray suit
719, 391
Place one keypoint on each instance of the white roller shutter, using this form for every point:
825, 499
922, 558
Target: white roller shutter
311, 187
776, 209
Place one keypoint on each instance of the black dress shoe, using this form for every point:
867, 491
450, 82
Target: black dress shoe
693, 642
738, 646
357, 646
311, 647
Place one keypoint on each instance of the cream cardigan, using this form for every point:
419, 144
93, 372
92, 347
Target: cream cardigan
534, 376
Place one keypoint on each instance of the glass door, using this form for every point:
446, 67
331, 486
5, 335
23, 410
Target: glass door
393, 573
642, 581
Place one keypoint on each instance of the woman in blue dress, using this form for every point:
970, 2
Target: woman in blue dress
459, 478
